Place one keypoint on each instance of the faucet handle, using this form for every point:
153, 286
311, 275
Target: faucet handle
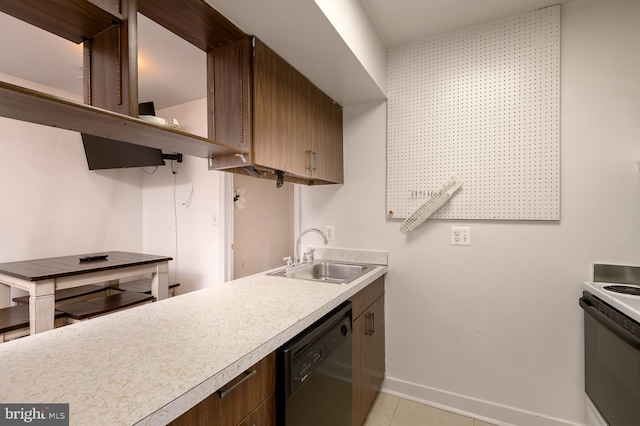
289, 261
308, 257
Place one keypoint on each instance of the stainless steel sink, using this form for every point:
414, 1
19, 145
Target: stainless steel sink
330, 272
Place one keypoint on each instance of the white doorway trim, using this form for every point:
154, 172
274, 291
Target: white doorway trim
226, 233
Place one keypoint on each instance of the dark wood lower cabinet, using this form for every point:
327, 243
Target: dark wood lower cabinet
264, 415
368, 348
246, 400
249, 399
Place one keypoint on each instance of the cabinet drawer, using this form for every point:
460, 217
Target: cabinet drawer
235, 400
363, 299
264, 415
368, 359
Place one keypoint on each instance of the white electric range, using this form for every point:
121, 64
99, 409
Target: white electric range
623, 297
611, 304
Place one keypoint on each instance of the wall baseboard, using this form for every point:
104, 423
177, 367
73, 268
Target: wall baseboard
487, 411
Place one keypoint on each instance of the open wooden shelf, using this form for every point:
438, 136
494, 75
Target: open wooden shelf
36, 107
74, 20
194, 21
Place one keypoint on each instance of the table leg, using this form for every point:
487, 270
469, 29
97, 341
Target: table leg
160, 281
41, 306
5, 296
108, 284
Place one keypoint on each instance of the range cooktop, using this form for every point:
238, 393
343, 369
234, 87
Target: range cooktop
623, 289
623, 297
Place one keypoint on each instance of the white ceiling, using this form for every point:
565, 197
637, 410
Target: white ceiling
402, 21
173, 72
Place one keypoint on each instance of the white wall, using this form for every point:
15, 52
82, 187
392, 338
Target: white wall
495, 329
351, 20
179, 208
52, 205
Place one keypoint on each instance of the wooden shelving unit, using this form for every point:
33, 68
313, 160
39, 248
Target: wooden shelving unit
108, 30
35, 107
74, 20
257, 104
195, 21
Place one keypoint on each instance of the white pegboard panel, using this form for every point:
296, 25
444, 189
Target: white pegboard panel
482, 104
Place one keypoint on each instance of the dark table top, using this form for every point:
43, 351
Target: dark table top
56, 267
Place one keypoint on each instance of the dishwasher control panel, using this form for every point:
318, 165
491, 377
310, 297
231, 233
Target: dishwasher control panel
304, 354
306, 366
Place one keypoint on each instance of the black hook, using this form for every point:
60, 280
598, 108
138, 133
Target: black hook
279, 178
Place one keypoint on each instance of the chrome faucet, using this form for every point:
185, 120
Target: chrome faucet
299, 241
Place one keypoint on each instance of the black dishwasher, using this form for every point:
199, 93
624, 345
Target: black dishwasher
314, 373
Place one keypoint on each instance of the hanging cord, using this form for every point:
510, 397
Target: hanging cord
175, 224
149, 173
186, 203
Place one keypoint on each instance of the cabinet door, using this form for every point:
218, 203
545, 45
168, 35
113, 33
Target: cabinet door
361, 369
368, 359
229, 100
376, 349
326, 137
264, 415
281, 111
362, 300
234, 401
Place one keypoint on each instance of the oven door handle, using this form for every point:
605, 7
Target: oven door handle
610, 323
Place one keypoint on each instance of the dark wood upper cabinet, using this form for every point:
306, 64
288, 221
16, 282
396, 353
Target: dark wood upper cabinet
289, 124
325, 126
229, 94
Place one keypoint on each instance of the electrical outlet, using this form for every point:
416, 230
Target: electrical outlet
460, 236
330, 232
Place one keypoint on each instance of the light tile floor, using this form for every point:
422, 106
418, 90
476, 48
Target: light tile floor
388, 410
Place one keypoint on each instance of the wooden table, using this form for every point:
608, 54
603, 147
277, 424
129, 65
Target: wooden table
42, 277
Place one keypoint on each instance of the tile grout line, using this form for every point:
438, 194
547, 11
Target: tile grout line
395, 410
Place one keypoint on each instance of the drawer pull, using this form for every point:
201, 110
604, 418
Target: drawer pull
248, 375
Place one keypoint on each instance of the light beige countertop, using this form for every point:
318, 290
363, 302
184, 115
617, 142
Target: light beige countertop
150, 364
